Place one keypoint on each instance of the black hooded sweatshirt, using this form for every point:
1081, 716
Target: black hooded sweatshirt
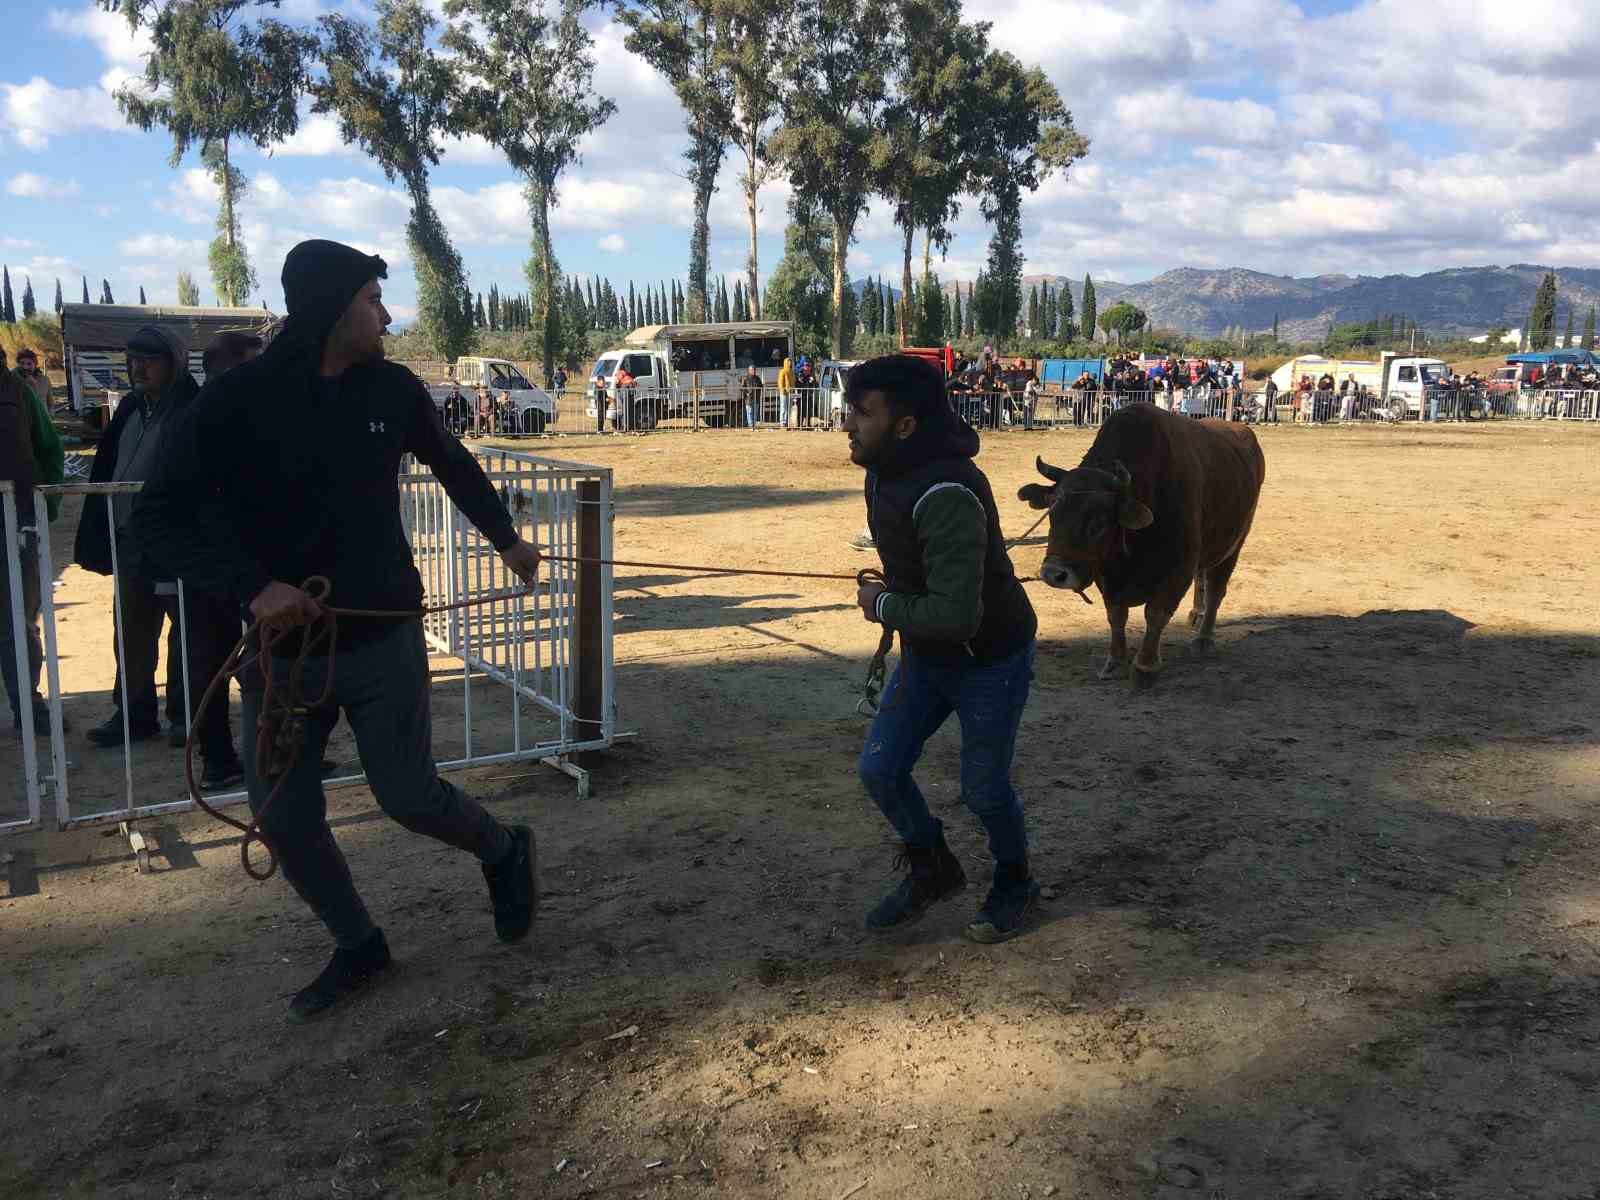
278, 474
953, 595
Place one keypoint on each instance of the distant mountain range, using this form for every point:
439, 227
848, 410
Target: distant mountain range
1459, 301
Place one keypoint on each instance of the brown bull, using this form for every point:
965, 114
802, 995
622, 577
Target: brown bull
1159, 502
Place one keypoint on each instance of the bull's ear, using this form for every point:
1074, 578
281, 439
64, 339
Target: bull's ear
1133, 515
1036, 494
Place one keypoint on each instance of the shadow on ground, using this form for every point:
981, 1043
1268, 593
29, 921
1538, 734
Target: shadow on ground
1315, 930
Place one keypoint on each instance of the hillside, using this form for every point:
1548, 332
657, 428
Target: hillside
1462, 300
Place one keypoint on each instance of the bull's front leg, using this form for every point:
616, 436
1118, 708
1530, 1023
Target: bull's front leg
1147, 663
1117, 658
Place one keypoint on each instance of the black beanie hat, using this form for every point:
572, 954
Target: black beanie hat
320, 278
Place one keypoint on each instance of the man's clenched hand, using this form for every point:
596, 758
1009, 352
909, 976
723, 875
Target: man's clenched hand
523, 558
283, 606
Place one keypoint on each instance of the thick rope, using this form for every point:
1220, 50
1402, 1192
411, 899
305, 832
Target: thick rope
280, 726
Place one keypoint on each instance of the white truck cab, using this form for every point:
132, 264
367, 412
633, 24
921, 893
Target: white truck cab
1406, 384
536, 408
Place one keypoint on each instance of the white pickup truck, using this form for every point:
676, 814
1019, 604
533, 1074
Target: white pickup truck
671, 365
536, 408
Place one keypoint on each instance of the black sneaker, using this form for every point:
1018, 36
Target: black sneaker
513, 889
347, 972
221, 773
1004, 914
110, 733
935, 873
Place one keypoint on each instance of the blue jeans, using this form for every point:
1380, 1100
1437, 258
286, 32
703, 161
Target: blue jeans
988, 701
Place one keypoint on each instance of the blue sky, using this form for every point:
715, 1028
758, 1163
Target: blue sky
1373, 136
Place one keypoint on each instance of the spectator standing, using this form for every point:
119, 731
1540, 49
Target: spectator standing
37, 381
751, 390
1030, 400
785, 392
1269, 403
622, 389
163, 391
558, 382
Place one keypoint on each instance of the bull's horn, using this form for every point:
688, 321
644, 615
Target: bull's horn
1053, 474
1124, 477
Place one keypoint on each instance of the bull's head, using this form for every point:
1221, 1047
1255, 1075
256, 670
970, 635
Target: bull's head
1091, 511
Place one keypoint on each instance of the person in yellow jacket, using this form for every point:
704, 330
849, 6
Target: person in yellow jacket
785, 389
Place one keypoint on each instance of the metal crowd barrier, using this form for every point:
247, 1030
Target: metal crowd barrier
536, 673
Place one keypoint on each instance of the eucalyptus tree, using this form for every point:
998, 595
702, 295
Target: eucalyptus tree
836, 94
396, 98
530, 64
215, 76
685, 41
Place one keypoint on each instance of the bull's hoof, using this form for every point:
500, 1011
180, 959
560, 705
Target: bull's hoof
1113, 668
1202, 645
1142, 678
1196, 615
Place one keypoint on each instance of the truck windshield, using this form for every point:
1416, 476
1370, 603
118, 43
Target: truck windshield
1433, 372
504, 375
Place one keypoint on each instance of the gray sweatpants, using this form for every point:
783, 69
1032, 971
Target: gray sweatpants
382, 689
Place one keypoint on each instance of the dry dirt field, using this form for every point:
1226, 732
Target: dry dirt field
1323, 916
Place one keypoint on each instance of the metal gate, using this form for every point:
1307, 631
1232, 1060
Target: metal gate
535, 669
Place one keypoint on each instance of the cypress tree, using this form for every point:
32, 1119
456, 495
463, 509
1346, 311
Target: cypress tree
1542, 321
1066, 320
142, 300
1034, 315
1274, 329
957, 320
1089, 310
8, 310
1588, 328
58, 296
28, 306
1566, 342
85, 279
105, 292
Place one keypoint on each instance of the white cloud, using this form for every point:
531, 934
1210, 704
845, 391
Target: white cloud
162, 246
612, 243
41, 187
36, 111
317, 137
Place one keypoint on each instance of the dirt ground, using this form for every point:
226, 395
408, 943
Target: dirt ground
1323, 915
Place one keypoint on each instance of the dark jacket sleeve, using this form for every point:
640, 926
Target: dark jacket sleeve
181, 519
16, 447
91, 547
453, 465
953, 535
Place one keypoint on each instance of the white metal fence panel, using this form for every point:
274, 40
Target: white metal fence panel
522, 677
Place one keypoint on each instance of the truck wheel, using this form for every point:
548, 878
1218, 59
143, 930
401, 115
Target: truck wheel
1398, 410
533, 421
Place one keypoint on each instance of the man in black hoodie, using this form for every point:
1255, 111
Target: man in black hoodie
966, 636
288, 467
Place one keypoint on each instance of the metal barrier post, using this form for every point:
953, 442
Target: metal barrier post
19, 637
588, 695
